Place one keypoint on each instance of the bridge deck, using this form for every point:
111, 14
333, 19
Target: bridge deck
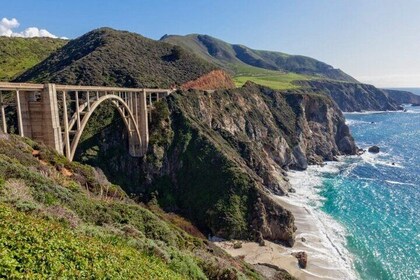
34, 87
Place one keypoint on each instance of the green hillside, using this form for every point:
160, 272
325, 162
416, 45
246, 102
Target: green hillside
63, 220
274, 69
19, 54
109, 57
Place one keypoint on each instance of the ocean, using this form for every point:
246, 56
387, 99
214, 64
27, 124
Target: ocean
367, 207
377, 197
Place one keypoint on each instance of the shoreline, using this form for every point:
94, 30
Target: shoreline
317, 234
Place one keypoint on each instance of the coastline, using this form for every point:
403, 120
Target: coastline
324, 238
318, 234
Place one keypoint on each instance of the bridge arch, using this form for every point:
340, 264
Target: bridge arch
124, 111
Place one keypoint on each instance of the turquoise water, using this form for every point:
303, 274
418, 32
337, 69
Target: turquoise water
377, 197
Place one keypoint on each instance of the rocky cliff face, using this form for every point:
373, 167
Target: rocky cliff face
354, 97
215, 157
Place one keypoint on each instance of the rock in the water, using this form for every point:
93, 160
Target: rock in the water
302, 258
373, 149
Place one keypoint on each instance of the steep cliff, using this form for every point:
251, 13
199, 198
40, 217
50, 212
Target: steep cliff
215, 157
353, 97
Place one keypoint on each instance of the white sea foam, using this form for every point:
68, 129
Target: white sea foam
356, 122
412, 111
325, 237
400, 183
371, 112
381, 158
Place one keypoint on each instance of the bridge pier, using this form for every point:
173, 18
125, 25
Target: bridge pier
38, 116
3, 113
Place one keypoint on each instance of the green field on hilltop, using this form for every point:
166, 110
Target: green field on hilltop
273, 79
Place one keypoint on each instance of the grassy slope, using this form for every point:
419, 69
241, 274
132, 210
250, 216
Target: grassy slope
19, 54
62, 219
270, 78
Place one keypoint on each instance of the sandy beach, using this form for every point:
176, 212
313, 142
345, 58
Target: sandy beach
317, 234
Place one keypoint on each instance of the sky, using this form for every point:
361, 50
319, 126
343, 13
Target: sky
375, 41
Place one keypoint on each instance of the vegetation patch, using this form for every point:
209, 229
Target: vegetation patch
76, 224
20, 54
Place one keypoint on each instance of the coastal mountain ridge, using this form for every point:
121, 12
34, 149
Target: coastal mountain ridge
234, 57
101, 54
283, 71
403, 96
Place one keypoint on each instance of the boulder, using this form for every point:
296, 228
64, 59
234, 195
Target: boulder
237, 245
302, 258
373, 149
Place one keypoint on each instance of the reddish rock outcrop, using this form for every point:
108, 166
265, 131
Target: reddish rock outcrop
216, 79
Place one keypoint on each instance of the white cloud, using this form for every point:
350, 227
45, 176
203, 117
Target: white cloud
7, 27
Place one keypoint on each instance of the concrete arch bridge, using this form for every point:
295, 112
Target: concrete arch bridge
58, 114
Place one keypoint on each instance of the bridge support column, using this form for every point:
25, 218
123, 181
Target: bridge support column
143, 122
3, 113
139, 109
51, 120
38, 116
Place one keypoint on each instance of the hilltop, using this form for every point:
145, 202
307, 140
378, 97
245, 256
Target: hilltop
109, 57
20, 54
